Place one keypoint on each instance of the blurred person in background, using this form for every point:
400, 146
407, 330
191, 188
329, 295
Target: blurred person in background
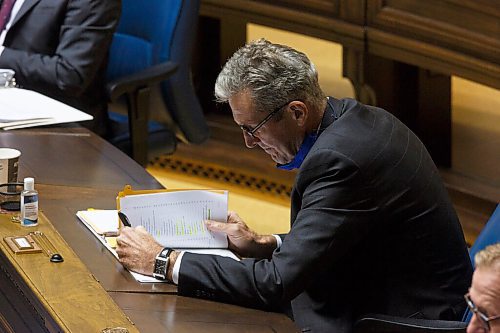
59, 48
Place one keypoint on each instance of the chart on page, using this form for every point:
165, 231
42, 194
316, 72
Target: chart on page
176, 219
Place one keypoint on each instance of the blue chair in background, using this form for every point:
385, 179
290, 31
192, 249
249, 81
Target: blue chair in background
489, 235
152, 47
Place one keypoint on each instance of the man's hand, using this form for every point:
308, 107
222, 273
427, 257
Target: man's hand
242, 240
137, 250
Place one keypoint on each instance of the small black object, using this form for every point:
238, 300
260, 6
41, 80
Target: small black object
56, 257
12, 206
10, 196
124, 219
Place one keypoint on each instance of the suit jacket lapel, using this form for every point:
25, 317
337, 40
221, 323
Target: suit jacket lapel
27, 5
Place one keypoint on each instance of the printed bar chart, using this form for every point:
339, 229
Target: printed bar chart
176, 219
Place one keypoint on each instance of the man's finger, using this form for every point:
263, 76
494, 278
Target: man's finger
124, 232
216, 226
141, 229
233, 217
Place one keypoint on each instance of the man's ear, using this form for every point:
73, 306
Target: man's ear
299, 112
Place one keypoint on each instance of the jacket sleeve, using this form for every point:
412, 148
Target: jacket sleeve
83, 41
334, 213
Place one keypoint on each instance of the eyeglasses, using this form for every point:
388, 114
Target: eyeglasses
251, 131
483, 319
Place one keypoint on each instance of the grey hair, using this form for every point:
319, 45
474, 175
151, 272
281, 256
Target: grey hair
273, 74
488, 257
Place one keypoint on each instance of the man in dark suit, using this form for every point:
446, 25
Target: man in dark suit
59, 48
372, 227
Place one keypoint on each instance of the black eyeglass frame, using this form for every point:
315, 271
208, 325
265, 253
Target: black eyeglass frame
251, 131
484, 319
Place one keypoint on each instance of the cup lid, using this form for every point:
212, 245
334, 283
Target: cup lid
9, 153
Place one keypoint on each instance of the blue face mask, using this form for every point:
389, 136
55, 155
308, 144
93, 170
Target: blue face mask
304, 149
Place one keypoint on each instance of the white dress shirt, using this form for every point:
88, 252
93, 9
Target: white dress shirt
177, 265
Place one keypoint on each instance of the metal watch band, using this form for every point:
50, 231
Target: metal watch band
161, 264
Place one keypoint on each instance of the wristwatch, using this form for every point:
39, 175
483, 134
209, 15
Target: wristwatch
161, 264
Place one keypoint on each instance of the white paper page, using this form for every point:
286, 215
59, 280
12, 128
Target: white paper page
101, 238
9, 123
20, 105
145, 278
175, 219
101, 220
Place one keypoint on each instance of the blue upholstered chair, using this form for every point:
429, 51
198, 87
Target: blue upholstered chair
489, 235
153, 46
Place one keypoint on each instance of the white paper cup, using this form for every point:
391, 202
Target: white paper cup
9, 165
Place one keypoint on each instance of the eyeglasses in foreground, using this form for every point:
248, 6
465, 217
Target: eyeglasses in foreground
483, 318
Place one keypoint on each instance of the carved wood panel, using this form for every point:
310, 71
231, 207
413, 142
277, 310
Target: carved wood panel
467, 26
336, 20
329, 8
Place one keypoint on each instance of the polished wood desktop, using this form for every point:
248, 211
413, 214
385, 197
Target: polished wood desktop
37, 295
74, 169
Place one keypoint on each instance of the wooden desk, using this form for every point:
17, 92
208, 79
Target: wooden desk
74, 170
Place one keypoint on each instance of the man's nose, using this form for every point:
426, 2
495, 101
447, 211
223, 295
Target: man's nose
475, 326
250, 140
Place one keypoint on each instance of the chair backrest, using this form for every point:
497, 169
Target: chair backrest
489, 235
144, 36
155, 31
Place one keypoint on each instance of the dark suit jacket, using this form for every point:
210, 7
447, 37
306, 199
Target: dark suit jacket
59, 48
372, 231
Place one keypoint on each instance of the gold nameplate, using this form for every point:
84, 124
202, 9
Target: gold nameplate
22, 244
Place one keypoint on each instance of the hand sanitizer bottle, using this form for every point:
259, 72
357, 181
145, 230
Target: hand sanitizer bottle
29, 203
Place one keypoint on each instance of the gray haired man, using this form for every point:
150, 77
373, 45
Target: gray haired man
372, 228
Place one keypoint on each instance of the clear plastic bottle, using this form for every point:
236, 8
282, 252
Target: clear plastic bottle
29, 203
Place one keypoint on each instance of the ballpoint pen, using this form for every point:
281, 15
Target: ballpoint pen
124, 219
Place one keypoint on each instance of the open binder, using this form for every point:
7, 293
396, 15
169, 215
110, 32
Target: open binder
98, 223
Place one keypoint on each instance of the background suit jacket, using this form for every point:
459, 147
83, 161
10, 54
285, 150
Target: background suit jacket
59, 48
372, 231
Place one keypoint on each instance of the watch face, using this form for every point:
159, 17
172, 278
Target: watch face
160, 267
161, 264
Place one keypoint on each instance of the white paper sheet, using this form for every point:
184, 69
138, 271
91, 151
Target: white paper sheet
20, 108
176, 218
101, 220
100, 217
